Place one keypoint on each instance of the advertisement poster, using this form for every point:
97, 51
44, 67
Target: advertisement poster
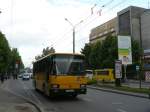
118, 69
124, 49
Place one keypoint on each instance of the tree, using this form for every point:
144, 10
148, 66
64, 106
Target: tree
95, 55
8, 57
16, 59
5, 53
45, 52
136, 50
86, 51
109, 52
103, 54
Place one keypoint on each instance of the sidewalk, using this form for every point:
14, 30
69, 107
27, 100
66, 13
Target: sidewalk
118, 91
137, 81
11, 103
136, 84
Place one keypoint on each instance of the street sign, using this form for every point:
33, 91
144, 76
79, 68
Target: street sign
137, 68
147, 76
16, 66
118, 69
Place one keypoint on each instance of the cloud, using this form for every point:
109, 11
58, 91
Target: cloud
31, 25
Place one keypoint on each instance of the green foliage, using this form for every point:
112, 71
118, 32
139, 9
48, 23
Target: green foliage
136, 50
103, 54
109, 52
86, 51
16, 58
4, 53
126, 88
92, 81
8, 58
95, 55
45, 52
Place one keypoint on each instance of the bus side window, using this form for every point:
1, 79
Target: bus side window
52, 67
46, 70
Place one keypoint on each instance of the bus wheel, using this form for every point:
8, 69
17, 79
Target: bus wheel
74, 95
44, 90
51, 96
35, 86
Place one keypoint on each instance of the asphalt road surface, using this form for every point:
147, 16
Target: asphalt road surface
93, 101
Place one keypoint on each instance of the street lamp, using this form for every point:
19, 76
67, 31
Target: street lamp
73, 26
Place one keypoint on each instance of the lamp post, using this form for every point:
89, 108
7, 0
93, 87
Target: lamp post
141, 55
73, 26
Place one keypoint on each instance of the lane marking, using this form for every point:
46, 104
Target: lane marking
121, 110
117, 103
87, 99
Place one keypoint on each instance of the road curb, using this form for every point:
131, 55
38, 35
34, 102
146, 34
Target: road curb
27, 100
119, 92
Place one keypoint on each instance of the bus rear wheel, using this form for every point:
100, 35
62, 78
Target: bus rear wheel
74, 95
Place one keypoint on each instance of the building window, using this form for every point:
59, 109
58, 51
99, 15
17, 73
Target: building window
124, 23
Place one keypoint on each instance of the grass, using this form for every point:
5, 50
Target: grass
126, 89
111, 85
93, 81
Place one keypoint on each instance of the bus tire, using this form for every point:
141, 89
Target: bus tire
35, 86
51, 96
74, 95
43, 89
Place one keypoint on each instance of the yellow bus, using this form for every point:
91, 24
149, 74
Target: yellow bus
106, 75
60, 74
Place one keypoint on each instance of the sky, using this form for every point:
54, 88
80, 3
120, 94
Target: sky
31, 25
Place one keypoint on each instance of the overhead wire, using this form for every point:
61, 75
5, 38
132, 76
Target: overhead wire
70, 30
109, 10
88, 17
104, 5
93, 19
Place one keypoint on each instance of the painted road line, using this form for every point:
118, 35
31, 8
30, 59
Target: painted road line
117, 103
121, 110
86, 99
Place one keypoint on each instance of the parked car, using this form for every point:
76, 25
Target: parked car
31, 75
25, 76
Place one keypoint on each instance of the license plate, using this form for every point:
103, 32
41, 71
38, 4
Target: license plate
70, 90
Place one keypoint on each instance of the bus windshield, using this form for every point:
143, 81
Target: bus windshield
69, 65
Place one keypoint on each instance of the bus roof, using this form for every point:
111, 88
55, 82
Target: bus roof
52, 54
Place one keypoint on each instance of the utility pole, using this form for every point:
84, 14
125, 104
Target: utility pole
74, 27
141, 56
73, 40
148, 4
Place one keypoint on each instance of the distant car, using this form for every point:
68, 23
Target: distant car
20, 76
31, 75
89, 74
25, 76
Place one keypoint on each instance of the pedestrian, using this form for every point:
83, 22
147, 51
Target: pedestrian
2, 78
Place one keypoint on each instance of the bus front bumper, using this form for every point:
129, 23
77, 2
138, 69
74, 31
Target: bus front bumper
68, 91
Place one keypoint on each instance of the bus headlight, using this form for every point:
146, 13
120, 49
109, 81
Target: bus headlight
55, 86
82, 86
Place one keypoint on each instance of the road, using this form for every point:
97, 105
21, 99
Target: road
94, 101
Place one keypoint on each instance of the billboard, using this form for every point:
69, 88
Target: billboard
124, 49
